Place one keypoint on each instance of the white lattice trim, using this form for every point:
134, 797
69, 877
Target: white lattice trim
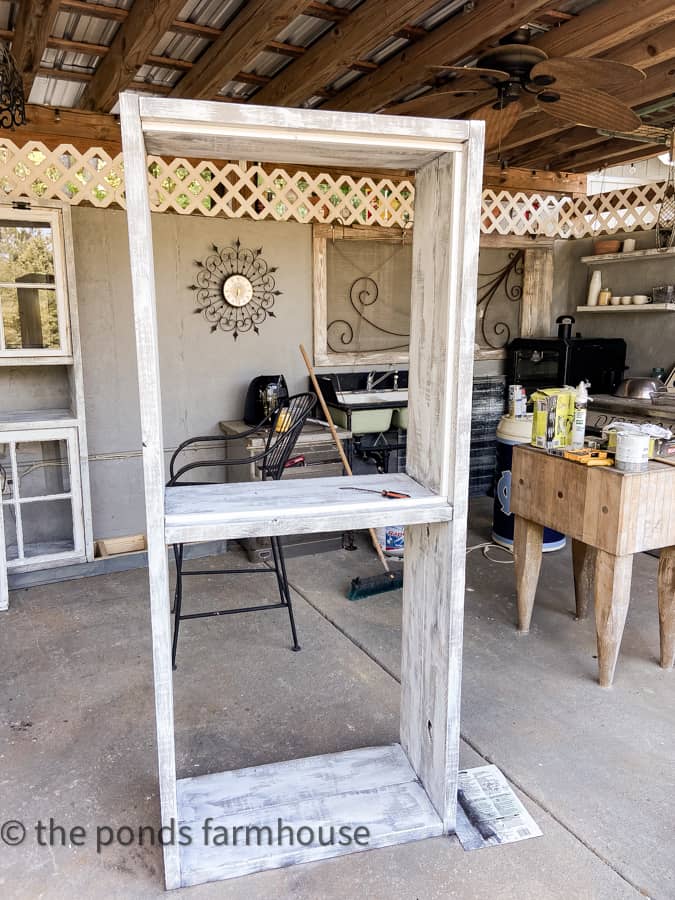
261, 192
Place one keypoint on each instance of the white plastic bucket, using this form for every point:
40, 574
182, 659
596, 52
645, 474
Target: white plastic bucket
632, 451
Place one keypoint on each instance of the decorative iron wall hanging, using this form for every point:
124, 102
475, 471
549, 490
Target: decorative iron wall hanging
363, 293
507, 284
235, 289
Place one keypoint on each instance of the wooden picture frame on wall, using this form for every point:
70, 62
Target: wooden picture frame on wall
321, 236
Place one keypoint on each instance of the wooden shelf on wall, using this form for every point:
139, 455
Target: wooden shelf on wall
634, 256
23, 419
631, 307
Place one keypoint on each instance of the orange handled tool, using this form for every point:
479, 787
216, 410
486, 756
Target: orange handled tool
394, 495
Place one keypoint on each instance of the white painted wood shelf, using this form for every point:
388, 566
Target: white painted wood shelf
373, 788
630, 308
633, 256
36, 419
300, 506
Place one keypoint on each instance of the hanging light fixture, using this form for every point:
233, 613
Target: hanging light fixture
12, 104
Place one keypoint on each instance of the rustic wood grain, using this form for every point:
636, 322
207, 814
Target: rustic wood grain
34, 23
583, 563
537, 298
527, 551
613, 576
666, 590
147, 353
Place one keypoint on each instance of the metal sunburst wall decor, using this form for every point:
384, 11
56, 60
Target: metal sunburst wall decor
236, 289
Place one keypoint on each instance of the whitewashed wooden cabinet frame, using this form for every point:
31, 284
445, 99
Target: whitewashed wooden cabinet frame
404, 792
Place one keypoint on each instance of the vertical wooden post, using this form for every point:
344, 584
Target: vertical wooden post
666, 588
527, 550
583, 562
537, 299
445, 272
143, 281
613, 576
4, 590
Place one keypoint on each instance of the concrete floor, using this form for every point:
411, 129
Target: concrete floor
594, 767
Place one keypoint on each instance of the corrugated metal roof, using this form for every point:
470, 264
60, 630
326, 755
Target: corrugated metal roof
303, 31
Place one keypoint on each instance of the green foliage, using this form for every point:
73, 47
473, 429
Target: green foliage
27, 251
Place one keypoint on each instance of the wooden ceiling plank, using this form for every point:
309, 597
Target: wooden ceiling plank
339, 49
96, 10
146, 23
604, 25
453, 40
520, 179
77, 46
325, 11
245, 36
611, 152
34, 23
647, 50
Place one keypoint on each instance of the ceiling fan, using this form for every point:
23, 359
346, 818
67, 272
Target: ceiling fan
565, 87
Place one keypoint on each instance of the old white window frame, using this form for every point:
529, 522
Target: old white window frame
62, 354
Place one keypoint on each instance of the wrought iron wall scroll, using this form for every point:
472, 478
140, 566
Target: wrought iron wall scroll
506, 283
235, 289
363, 293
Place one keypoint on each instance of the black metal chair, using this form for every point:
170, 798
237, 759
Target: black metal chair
281, 429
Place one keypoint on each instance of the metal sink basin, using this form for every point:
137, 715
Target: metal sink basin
368, 415
356, 398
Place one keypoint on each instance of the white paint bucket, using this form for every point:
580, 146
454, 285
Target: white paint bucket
632, 451
391, 539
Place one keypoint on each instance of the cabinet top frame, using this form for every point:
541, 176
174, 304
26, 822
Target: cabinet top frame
178, 128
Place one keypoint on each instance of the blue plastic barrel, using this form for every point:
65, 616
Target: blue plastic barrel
511, 432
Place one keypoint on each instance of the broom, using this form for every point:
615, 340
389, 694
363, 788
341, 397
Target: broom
376, 584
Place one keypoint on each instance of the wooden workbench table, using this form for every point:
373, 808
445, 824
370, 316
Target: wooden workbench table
609, 515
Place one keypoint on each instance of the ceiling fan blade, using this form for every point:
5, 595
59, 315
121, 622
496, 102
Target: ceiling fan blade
432, 103
594, 109
471, 78
498, 122
571, 73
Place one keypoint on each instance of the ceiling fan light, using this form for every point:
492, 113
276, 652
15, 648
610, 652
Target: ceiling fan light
543, 80
12, 104
548, 96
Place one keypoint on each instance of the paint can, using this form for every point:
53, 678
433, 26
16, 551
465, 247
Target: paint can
391, 539
511, 432
632, 451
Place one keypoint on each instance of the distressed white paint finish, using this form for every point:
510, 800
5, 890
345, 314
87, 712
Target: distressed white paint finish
373, 787
30, 419
537, 298
445, 272
145, 316
443, 313
4, 591
296, 506
275, 134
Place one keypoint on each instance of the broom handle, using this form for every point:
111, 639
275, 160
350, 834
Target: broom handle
340, 448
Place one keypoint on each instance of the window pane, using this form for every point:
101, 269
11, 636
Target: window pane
42, 468
47, 527
29, 318
9, 519
26, 249
5, 472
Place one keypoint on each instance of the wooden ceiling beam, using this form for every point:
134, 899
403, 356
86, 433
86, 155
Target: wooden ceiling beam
245, 36
453, 40
147, 22
611, 152
648, 50
340, 48
534, 180
34, 23
602, 26
96, 10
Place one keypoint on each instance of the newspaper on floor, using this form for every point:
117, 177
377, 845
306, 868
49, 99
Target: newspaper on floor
488, 812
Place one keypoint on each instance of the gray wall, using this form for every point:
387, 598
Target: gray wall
204, 376
650, 337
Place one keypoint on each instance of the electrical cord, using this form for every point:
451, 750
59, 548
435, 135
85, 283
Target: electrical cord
486, 546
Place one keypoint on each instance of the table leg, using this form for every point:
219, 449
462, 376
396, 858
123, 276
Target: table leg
583, 561
666, 584
527, 550
612, 596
